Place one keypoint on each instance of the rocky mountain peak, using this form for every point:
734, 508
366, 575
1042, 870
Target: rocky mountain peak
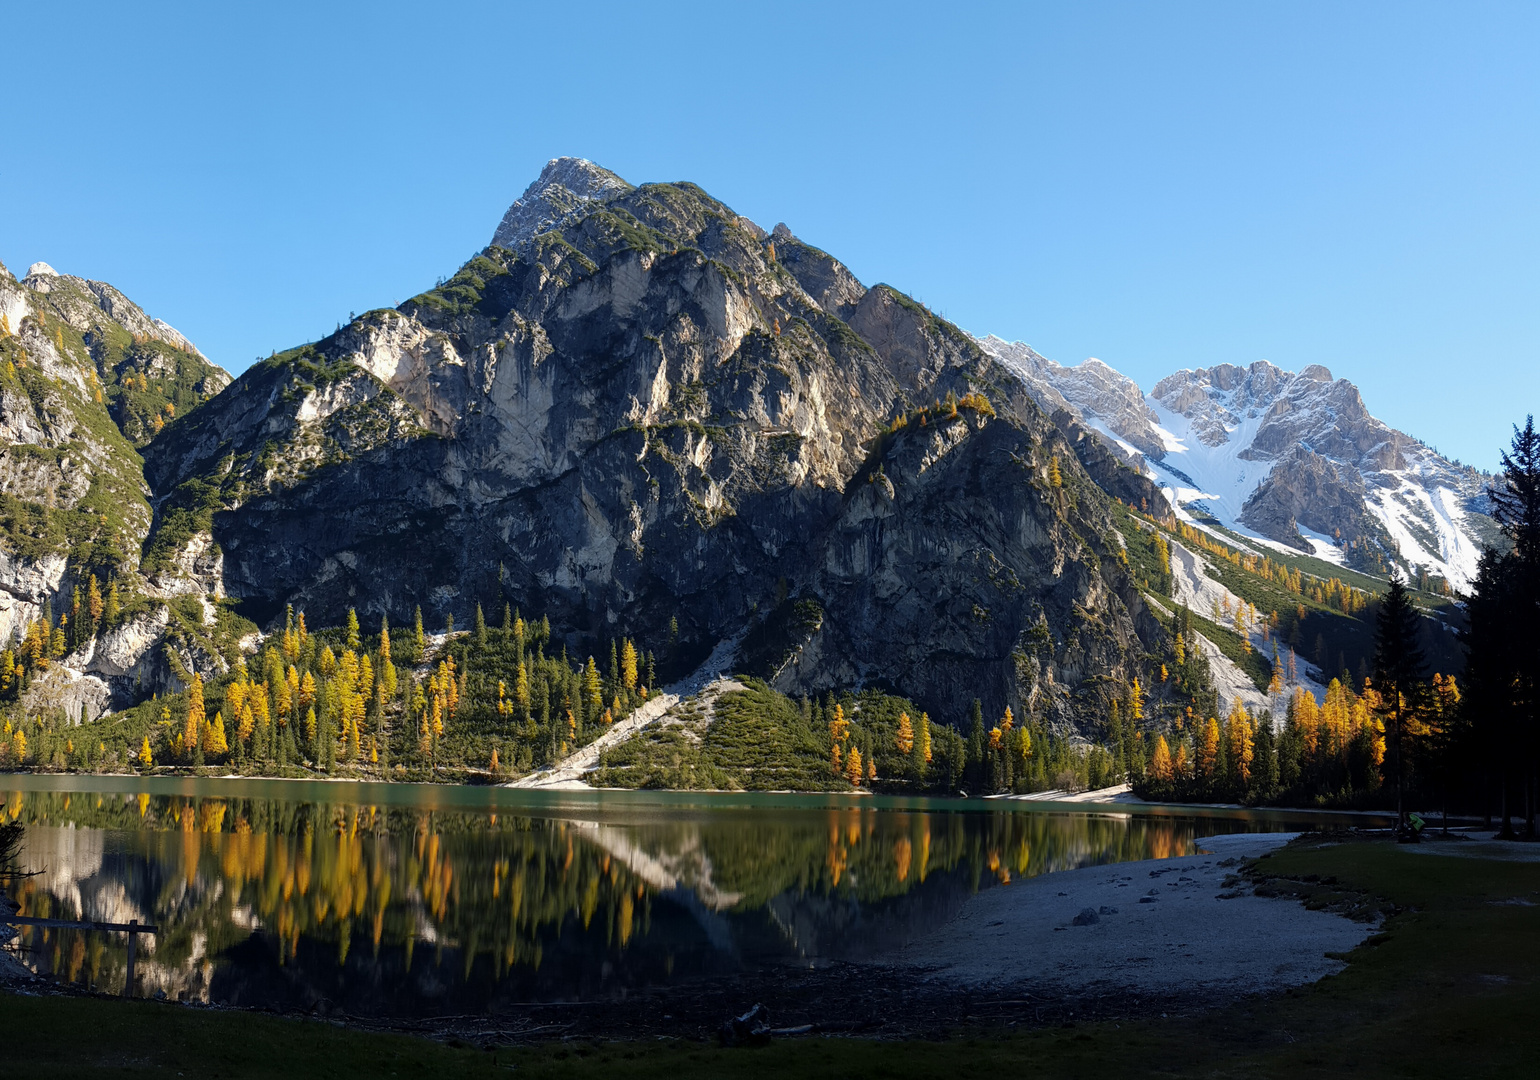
41, 269
1101, 397
1295, 458
565, 187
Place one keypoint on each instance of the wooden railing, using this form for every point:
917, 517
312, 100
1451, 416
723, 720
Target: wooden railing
133, 928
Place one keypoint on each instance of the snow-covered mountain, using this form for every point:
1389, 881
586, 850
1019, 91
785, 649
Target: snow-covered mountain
1287, 458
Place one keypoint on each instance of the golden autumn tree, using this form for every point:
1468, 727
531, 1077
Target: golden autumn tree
1208, 750
146, 757
1160, 761
1241, 747
593, 689
853, 771
628, 665
839, 727
192, 730
214, 741
904, 740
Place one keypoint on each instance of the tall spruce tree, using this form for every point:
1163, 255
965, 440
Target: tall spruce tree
1400, 677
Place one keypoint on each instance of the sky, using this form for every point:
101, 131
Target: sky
1162, 186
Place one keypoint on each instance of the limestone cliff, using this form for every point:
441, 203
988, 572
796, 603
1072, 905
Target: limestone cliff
638, 407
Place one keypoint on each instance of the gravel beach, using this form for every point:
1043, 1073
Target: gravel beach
1138, 927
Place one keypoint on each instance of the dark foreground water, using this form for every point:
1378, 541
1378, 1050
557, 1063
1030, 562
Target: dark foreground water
416, 900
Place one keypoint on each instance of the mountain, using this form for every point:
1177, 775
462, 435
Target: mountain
1291, 458
86, 380
637, 412
640, 415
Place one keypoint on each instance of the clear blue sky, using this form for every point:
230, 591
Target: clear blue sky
1162, 185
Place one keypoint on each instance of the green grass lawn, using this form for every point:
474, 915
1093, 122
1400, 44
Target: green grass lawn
1449, 988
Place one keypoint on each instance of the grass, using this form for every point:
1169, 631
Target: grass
1449, 988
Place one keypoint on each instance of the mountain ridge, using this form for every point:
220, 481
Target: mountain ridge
1283, 457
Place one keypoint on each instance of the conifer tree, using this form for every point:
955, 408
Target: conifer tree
192, 729
593, 689
146, 756
354, 643
215, 742
628, 665
1208, 751
1241, 749
853, 770
479, 627
1399, 674
904, 740
419, 639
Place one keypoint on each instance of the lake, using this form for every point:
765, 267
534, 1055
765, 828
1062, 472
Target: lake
397, 900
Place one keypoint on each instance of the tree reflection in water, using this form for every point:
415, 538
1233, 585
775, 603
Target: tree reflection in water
408, 910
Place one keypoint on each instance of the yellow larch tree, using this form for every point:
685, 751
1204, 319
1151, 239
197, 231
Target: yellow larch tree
853, 771
192, 730
1160, 760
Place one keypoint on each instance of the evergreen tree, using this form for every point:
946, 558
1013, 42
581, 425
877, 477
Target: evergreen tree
480, 626
1399, 679
353, 640
419, 639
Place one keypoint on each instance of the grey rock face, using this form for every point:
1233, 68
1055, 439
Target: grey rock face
647, 414
566, 187
1308, 489
77, 501
1098, 396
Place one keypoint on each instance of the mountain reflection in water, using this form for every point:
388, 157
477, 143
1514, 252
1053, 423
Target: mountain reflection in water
413, 910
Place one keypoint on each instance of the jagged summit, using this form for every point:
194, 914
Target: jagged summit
1294, 458
566, 186
41, 269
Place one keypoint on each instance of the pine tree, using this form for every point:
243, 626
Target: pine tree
1399, 679
419, 639
1160, 761
480, 626
904, 740
354, 643
146, 757
1055, 478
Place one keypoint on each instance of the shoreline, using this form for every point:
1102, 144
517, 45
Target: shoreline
1144, 928
1104, 800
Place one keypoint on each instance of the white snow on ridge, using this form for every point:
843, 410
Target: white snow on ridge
1225, 479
